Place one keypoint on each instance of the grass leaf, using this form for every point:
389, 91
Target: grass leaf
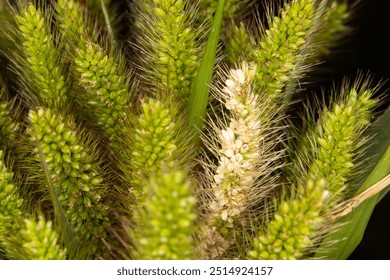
200, 89
108, 22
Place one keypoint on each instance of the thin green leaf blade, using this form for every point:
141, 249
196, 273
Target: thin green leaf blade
64, 225
348, 237
108, 22
381, 130
200, 90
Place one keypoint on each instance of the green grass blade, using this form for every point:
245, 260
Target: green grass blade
381, 130
200, 89
349, 236
63, 222
108, 22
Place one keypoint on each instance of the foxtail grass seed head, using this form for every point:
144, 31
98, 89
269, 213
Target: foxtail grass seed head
12, 210
333, 142
166, 219
279, 53
12, 206
290, 234
199, 160
23, 238
76, 176
106, 88
243, 145
40, 241
239, 146
39, 64
239, 44
331, 154
72, 22
168, 42
154, 140
244, 154
334, 25
8, 127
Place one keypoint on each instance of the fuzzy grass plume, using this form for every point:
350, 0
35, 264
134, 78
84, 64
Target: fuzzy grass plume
174, 142
243, 142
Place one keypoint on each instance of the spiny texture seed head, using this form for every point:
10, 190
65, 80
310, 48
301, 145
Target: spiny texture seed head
329, 152
72, 22
333, 26
154, 140
330, 146
23, 238
239, 146
106, 88
239, 44
336, 137
243, 145
76, 176
170, 45
8, 127
104, 80
11, 203
40, 241
166, 219
280, 48
12, 210
40, 60
289, 235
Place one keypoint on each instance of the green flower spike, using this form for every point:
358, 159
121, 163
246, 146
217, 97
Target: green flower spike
106, 88
40, 241
333, 26
169, 43
280, 50
76, 177
337, 137
330, 145
103, 79
8, 128
73, 24
166, 219
292, 231
330, 153
39, 63
71, 20
23, 239
155, 141
11, 204
244, 147
239, 44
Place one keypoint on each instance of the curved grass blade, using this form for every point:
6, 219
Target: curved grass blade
200, 89
65, 228
381, 130
348, 237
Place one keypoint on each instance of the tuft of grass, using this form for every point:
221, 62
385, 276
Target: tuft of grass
175, 142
